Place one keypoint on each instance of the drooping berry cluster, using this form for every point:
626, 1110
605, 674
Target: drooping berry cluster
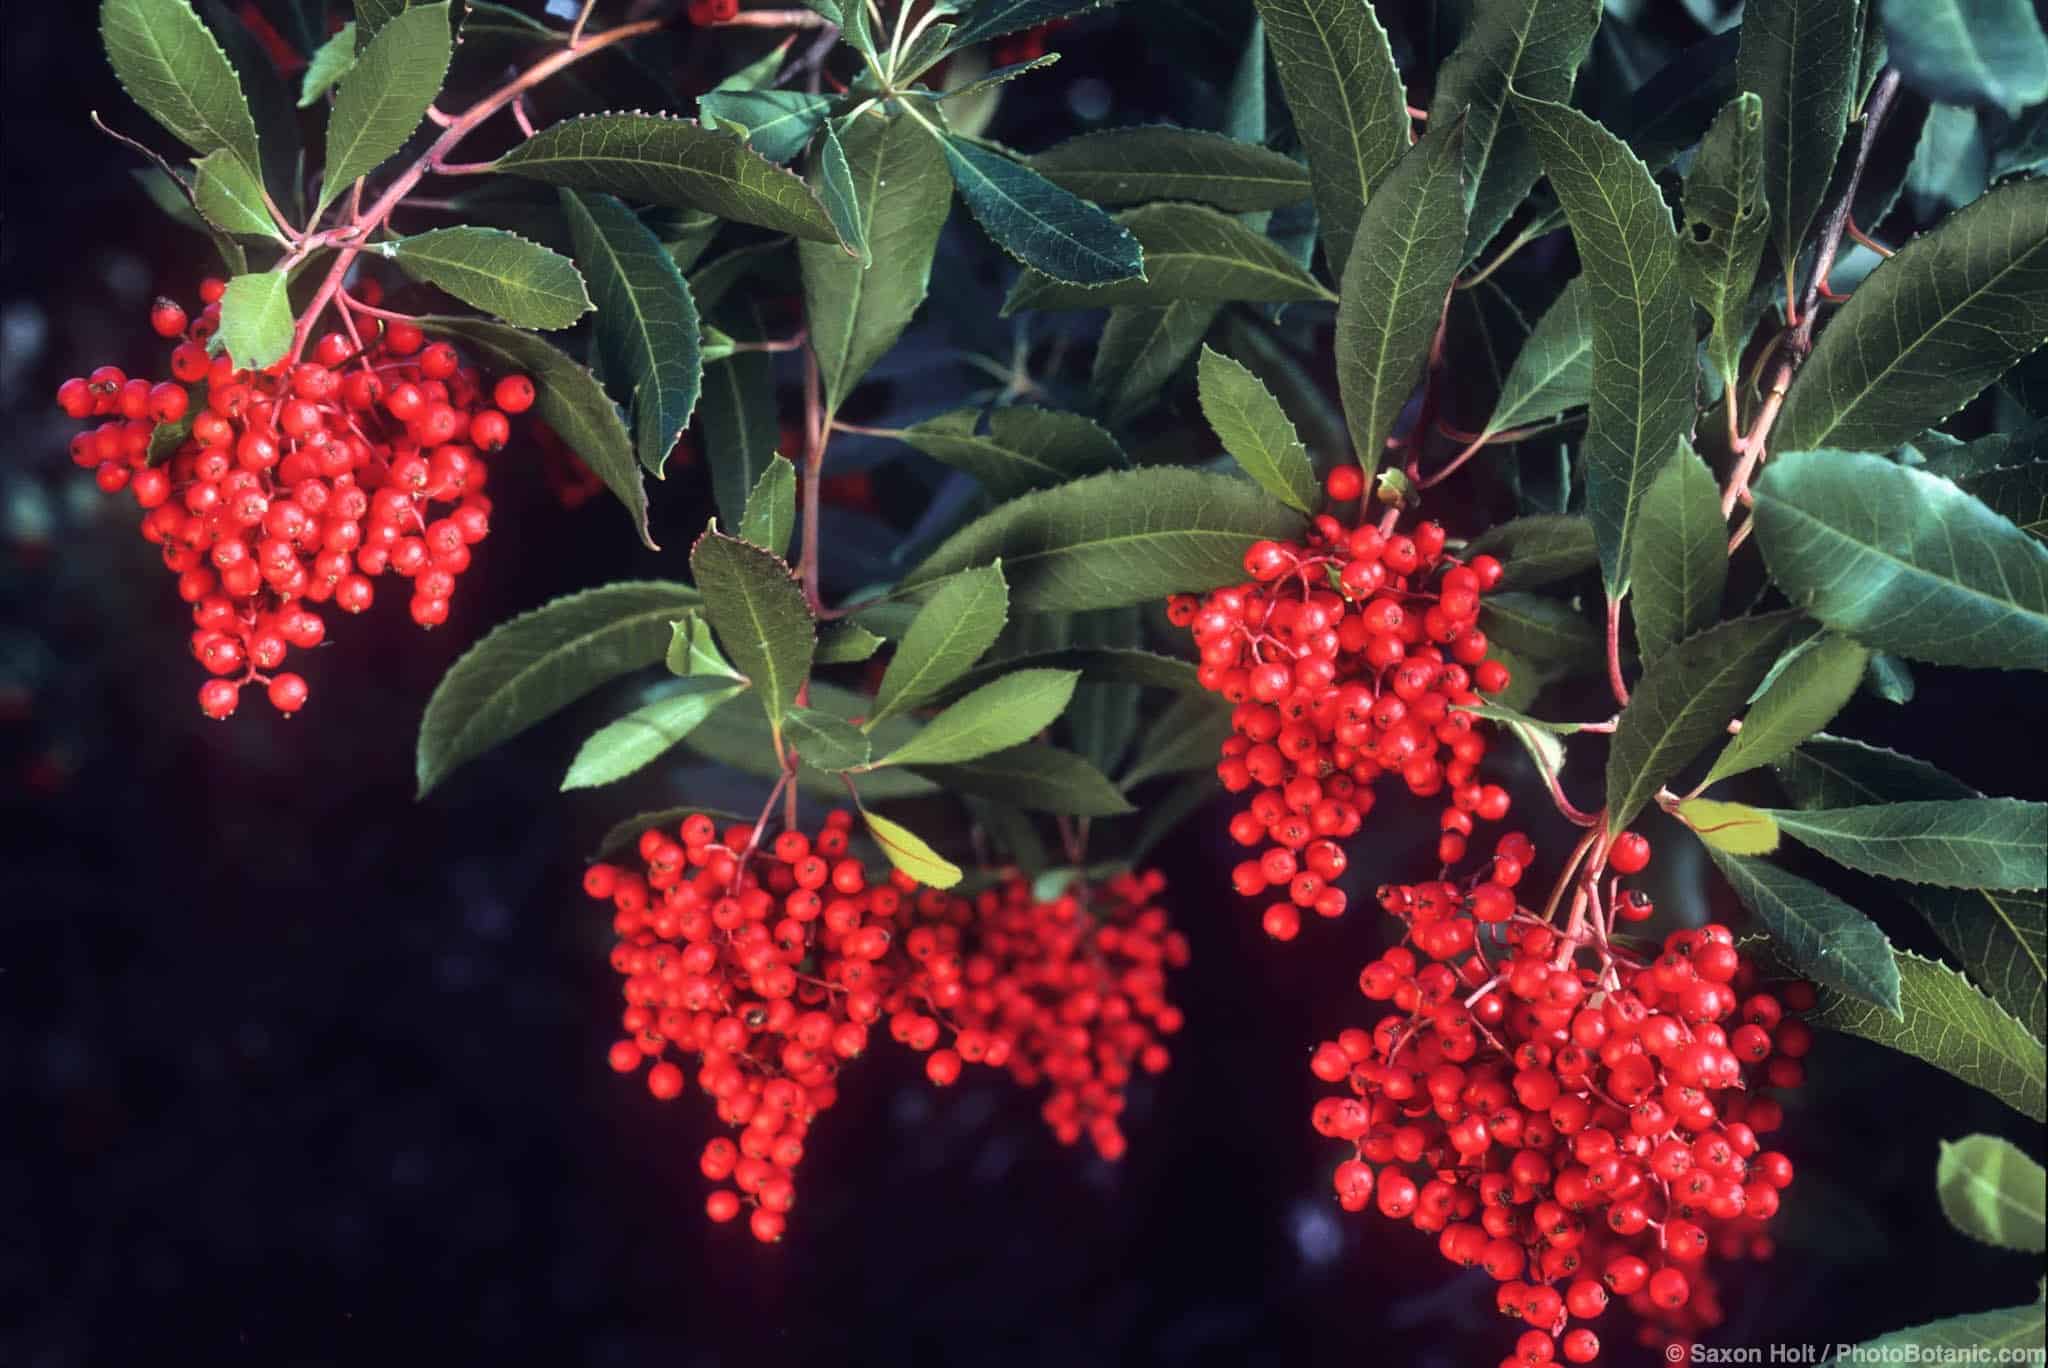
770, 962
1580, 1122
1072, 989
1348, 657
293, 487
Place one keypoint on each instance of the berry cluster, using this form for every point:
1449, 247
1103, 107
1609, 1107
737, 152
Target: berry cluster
1348, 658
1580, 1122
278, 490
770, 962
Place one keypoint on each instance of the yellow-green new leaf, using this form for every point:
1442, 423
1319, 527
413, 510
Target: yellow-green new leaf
907, 851
1735, 828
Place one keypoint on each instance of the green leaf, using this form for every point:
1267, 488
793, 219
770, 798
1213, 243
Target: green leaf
385, 95
1256, 431
230, 198
171, 66
1834, 772
826, 742
693, 653
994, 18
1188, 735
1538, 737
770, 517
1903, 562
256, 319
1025, 448
908, 852
1116, 538
1969, 52
1732, 828
739, 738
650, 159
570, 401
1038, 778
499, 272
1642, 386
1727, 224
536, 664
1680, 563
1533, 47
1825, 939
1191, 253
2019, 493
372, 15
1058, 234
1952, 1026
1804, 697
954, 629
1957, 843
647, 335
856, 313
643, 735
1098, 665
1982, 1335
2002, 940
778, 122
333, 60
1684, 701
1992, 1191
967, 90
1553, 372
1160, 162
1542, 630
846, 643
1410, 242
840, 196
1350, 110
740, 428
759, 612
1140, 348
996, 716
1799, 58
1929, 328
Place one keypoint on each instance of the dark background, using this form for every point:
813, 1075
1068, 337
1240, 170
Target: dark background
301, 1071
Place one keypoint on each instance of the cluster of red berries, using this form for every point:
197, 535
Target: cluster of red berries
294, 486
770, 961
1349, 657
1581, 1122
